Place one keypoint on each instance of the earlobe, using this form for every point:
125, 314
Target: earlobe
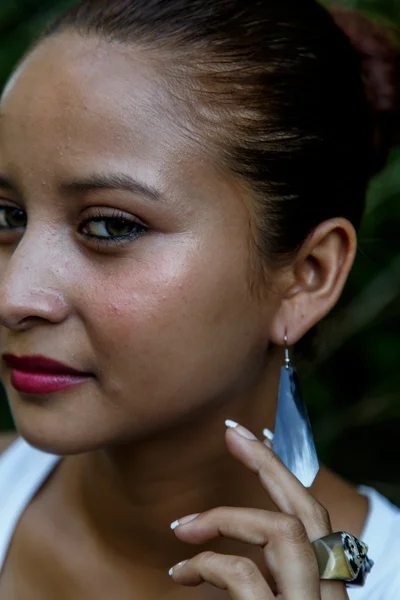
318, 275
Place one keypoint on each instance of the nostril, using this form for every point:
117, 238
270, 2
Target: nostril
30, 321
20, 324
27, 322
22, 309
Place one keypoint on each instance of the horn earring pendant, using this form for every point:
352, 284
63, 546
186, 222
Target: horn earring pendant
293, 438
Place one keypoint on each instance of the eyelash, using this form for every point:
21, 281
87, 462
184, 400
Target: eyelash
120, 217
99, 217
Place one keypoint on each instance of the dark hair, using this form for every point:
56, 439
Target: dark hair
277, 92
378, 48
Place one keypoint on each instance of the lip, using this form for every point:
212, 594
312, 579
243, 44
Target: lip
44, 383
40, 364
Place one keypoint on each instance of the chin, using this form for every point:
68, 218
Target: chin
52, 441
60, 427
53, 434
80, 425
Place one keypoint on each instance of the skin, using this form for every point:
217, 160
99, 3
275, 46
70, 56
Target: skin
167, 325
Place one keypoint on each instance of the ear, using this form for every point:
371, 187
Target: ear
314, 281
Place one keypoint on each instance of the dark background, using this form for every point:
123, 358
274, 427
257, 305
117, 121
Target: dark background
352, 387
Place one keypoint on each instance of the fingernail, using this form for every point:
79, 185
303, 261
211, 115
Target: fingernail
178, 566
268, 434
268, 443
240, 429
184, 520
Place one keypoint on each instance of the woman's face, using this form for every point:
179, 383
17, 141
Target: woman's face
164, 320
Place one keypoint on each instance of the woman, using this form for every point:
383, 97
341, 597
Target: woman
179, 196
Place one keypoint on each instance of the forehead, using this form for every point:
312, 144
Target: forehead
92, 94
77, 106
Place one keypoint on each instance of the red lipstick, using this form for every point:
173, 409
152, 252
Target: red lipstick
40, 375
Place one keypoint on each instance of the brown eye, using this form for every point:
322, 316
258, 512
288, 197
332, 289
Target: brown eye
119, 228
112, 229
106, 227
12, 218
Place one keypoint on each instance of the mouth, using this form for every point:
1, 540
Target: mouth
40, 375
43, 383
40, 364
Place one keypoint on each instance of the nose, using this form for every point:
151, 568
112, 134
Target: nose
30, 287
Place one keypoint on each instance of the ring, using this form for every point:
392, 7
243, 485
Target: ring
343, 557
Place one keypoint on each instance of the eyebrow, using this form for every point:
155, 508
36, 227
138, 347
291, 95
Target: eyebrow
112, 181
6, 183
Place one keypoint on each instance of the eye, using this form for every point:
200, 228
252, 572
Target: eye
104, 229
112, 229
12, 218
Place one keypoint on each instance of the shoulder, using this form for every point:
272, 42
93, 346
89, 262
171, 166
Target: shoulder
6, 439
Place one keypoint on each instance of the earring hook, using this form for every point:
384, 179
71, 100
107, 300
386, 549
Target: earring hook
287, 357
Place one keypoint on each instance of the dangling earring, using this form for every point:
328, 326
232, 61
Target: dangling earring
293, 438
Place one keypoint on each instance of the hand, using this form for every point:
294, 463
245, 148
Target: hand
284, 536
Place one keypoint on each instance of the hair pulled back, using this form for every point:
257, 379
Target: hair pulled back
277, 91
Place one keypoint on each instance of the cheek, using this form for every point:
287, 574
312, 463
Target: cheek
167, 325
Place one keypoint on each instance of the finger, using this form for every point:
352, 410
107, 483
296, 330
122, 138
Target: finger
288, 553
235, 574
250, 525
286, 491
333, 590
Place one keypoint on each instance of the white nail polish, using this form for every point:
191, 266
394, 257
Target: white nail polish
240, 429
184, 520
178, 566
268, 434
183, 562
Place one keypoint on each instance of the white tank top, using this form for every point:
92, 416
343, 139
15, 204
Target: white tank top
24, 469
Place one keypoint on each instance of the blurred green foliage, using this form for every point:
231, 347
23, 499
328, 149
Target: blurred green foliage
352, 388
